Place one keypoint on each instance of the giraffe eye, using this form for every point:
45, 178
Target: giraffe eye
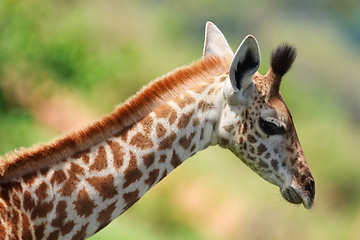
270, 127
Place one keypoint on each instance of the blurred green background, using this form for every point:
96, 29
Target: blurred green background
65, 63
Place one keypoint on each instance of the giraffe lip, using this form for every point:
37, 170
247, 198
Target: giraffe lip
295, 195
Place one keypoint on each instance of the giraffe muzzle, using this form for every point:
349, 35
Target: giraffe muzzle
297, 195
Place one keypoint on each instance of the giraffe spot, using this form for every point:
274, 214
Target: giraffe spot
186, 99
104, 185
130, 198
61, 214
175, 160
41, 191
211, 91
104, 217
149, 159
132, 172
44, 171
39, 230
160, 130
123, 135
147, 123
251, 139
293, 161
54, 235
244, 128
162, 158
163, 175
29, 179
193, 147
185, 142
141, 141
228, 128
81, 233
173, 117
205, 106
200, 88
223, 78
16, 201
75, 169
41, 210
167, 142
84, 205
241, 140
263, 164
69, 186
261, 149
184, 120
290, 150
196, 122
100, 161
67, 227
163, 111
153, 175
118, 154
29, 202
25, 233
84, 155
58, 177
267, 155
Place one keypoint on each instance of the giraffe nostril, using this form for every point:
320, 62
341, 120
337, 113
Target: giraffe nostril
310, 187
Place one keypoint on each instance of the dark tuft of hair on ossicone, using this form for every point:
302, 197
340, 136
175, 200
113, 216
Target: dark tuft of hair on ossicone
282, 58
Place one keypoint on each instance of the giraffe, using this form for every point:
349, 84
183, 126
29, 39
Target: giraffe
75, 185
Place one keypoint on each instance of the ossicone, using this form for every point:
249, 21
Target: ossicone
282, 58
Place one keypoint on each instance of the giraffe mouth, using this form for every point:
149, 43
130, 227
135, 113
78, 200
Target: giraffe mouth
296, 195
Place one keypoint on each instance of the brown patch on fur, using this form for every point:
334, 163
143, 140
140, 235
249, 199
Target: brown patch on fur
41, 192
118, 154
149, 98
81, 233
105, 215
71, 183
84, 205
160, 130
39, 231
100, 161
185, 142
141, 141
162, 158
186, 99
25, 233
132, 172
173, 117
147, 123
167, 142
175, 160
104, 185
130, 198
58, 177
149, 159
205, 106
153, 175
261, 149
185, 120
196, 122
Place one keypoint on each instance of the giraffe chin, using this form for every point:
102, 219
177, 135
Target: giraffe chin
296, 195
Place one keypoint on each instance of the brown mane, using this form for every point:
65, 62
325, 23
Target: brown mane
161, 90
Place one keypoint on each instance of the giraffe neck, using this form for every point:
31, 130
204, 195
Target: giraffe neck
75, 198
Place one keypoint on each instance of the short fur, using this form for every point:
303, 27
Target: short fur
134, 109
282, 58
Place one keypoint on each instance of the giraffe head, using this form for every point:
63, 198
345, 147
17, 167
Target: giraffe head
255, 123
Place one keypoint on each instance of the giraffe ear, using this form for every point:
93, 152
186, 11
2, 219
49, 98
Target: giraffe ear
215, 43
245, 64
